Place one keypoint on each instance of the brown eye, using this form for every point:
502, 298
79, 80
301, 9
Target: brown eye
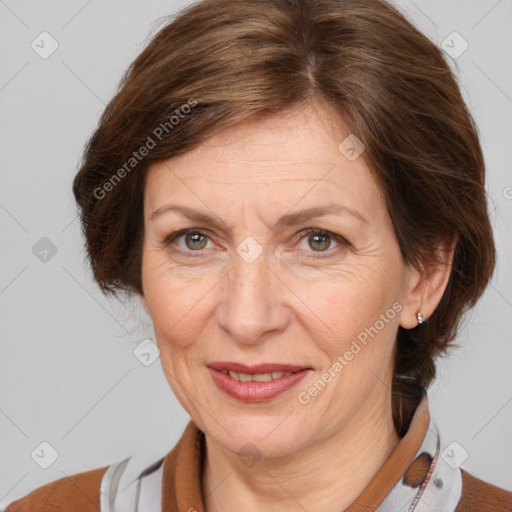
319, 241
195, 241
316, 241
188, 243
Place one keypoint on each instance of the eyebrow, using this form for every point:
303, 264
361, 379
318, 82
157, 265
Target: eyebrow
290, 219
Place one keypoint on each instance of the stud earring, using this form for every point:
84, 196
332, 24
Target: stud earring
420, 317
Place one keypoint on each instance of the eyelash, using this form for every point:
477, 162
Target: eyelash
299, 236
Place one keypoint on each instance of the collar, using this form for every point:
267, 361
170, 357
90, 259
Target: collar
415, 477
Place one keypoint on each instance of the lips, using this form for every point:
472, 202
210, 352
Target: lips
257, 382
258, 368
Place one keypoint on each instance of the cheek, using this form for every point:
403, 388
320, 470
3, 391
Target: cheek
178, 305
359, 303
354, 295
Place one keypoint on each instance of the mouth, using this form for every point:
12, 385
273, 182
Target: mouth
258, 382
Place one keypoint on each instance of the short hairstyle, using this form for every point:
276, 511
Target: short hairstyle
220, 62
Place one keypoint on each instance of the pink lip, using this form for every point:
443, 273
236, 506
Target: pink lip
256, 391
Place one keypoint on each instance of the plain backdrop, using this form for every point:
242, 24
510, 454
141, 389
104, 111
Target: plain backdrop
69, 377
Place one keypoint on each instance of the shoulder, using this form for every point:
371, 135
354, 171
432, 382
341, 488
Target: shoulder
79, 492
478, 496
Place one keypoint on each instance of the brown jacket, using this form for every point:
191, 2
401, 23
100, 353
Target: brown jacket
181, 481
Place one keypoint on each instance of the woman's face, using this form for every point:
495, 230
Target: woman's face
252, 287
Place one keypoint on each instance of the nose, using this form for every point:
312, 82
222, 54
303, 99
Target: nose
252, 301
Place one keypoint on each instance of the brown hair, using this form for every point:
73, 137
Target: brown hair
233, 59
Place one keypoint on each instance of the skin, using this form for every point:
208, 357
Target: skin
284, 307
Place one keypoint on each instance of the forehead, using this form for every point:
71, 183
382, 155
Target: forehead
288, 157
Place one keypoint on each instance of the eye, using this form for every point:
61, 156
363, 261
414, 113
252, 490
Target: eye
320, 240
192, 240
196, 240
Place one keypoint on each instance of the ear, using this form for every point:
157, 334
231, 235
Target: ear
427, 285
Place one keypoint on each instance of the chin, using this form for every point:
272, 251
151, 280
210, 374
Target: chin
264, 437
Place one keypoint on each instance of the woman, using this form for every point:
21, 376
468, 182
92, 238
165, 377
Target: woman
295, 191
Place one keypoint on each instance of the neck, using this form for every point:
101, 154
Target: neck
343, 463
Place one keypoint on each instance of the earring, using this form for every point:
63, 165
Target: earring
420, 317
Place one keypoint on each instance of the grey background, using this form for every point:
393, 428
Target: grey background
68, 374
